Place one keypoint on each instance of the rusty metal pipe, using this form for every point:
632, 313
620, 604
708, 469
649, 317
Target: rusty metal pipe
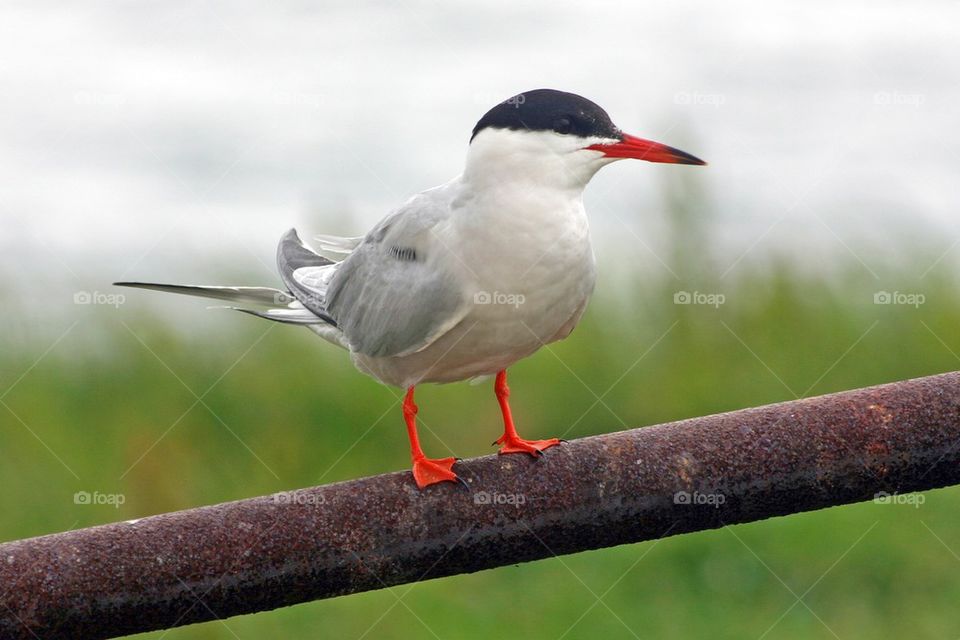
268, 552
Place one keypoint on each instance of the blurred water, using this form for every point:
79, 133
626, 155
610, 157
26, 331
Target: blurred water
179, 140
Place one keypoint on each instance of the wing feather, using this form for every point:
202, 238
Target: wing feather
395, 293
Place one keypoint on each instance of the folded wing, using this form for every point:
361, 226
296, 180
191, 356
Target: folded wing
391, 295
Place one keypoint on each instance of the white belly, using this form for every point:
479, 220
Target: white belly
529, 282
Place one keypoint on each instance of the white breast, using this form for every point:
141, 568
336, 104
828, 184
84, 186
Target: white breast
527, 267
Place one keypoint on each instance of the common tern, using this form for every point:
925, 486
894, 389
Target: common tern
465, 279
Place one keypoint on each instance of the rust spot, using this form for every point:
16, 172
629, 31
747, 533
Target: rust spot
685, 469
878, 449
886, 416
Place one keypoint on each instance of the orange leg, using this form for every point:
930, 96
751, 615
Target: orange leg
425, 470
513, 443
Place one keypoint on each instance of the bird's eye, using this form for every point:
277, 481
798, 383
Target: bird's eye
563, 126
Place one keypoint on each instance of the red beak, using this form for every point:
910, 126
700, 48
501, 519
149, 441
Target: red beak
633, 147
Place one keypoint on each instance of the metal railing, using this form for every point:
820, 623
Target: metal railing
262, 553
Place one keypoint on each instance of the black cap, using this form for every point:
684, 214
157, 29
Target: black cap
550, 110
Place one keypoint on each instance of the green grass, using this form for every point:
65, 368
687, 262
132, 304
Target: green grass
281, 410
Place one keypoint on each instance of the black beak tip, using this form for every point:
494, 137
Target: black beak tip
687, 158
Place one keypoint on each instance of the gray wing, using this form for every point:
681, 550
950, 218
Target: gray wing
336, 248
282, 307
252, 295
305, 273
395, 293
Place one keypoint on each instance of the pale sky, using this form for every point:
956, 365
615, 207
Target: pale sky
178, 141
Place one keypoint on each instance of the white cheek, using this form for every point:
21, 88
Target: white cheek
543, 157
575, 146
494, 142
562, 144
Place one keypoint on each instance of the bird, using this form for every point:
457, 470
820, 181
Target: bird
462, 280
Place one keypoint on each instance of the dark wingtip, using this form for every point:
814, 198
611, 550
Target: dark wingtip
142, 285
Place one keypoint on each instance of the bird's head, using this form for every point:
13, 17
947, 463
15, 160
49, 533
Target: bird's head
555, 138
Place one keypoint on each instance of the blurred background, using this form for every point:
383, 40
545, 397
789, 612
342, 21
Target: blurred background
177, 142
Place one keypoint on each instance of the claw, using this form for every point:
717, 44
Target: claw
533, 447
427, 471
